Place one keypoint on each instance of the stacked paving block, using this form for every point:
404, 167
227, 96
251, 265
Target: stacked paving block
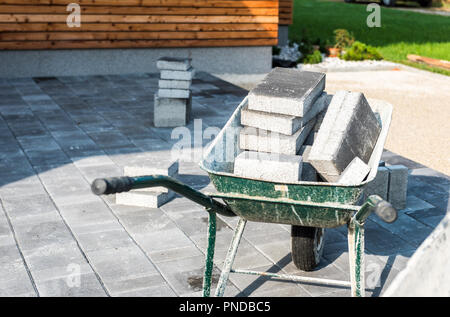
152, 197
173, 101
280, 114
349, 129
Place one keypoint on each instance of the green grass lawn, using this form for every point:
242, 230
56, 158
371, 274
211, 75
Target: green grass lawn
401, 32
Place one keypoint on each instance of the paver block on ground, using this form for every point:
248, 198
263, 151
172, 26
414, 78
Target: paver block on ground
350, 129
170, 112
287, 91
269, 166
174, 63
258, 140
379, 185
141, 198
166, 168
398, 184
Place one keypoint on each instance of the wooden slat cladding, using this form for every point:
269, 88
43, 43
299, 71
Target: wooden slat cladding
285, 12
41, 24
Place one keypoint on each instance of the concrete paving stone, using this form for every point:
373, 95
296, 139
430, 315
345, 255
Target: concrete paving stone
280, 123
173, 63
24, 206
110, 139
354, 173
324, 270
28, 129
253, 139
171, 112
350, 118
35, 234
380, 240
268, 166
144, 221
178, 74
394, 159
96, 159
379, 185
195, 222
154, 241
398, 184
130, 284
155, 291
408, 229
102, 171
416, 205
186, 275
142, 198
112, 239
287, 91
22, 184
67, 287
174, 254
254, 285
247, 257
47, 157
89, 217
45, 142
122, 263
180, 205
174, 93
17, 285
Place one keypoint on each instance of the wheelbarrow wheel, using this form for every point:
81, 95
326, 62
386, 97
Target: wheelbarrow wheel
307, 246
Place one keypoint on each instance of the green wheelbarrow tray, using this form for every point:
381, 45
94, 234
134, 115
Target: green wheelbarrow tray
313, 204
303, 204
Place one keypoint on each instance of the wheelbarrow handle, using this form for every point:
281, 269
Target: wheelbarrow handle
112, 185
380, 207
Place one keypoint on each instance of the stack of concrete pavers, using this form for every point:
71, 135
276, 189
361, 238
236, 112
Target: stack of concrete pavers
280, 114
152, 197
345, 140
173, 101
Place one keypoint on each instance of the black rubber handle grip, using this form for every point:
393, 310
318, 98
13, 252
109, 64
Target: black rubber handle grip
385, 211
112, 185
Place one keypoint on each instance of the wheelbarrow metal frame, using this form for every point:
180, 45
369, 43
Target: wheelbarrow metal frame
313, 204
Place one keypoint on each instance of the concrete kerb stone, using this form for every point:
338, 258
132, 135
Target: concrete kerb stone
285, 124
349, 129
268, 166
178, 74
174, 63
171, 112
354, 173
259, 140
287, 91
174, 84
398, 184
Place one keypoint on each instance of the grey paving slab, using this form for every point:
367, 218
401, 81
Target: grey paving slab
58, 134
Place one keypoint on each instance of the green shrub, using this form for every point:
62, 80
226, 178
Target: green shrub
343, 38
313, 58
360, 51
276, 50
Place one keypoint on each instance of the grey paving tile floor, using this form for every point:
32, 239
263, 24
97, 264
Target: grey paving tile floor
58, 239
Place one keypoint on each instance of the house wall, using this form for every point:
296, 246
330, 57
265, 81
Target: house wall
128, 36
41, 24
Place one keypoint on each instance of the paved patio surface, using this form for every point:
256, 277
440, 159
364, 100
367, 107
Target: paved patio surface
58, 239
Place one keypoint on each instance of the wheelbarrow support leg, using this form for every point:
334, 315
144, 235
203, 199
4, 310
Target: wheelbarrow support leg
231, 254
209, 254
356, 260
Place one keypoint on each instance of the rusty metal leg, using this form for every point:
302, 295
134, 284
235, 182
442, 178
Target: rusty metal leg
209, 254
356, 258
231, 254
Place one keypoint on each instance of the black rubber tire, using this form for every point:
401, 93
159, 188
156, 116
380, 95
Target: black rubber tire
388, 3
307, 246
425, 3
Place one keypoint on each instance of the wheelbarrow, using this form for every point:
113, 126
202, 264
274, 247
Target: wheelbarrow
309, 207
